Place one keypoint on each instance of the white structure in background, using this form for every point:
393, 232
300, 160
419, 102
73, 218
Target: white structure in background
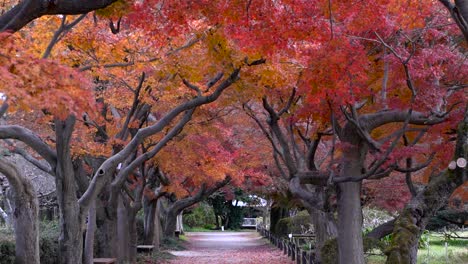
256, 202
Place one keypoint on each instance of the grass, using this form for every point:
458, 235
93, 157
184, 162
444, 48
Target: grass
435, 253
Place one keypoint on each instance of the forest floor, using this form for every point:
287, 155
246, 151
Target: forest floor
228, 247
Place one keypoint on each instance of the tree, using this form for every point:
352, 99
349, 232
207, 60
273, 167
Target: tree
25, 219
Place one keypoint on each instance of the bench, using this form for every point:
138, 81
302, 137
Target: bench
145, 248
104, 261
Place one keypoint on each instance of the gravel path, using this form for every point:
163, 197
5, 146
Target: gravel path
228, 247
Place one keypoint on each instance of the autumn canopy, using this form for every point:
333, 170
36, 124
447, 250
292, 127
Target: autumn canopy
324, 102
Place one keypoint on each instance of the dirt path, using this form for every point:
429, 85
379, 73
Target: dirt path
229, 247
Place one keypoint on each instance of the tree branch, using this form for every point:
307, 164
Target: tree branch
28, 10
109, 166
32, 140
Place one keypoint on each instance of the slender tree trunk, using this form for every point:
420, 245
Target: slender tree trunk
157, 226
123, 241
25, 217
89, 240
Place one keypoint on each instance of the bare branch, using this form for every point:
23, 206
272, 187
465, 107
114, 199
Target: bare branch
32, 140
273, 123
60, 33
192, 86
123, 174
213, 81
288, 105
114, 29
30, 158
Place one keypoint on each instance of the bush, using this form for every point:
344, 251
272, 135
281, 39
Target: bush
7, 252
48, 244
201, 216
298, 224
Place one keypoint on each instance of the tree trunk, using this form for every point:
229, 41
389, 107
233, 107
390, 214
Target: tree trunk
414, 218
325, 229
350, 246
123, 226
133, 237
106, 228
217, 222
89, 239
71, 218
170, 223
157, 226
149, 209
25, 216
276, 214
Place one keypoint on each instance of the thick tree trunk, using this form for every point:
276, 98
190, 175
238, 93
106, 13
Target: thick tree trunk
149, 209
25, 217
414, 218
350, 246
170, 223
106, 228
325, 229
71, 218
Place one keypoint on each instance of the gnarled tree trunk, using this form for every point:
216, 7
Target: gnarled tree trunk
71, 218
26, 210
414, 218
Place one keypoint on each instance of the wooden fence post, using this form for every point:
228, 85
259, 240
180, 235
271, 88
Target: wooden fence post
311, 257
298, 255
304, 257
293, 252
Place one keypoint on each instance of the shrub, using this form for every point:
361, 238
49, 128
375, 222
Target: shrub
298, 224
200, 216
7, 252
48, 244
